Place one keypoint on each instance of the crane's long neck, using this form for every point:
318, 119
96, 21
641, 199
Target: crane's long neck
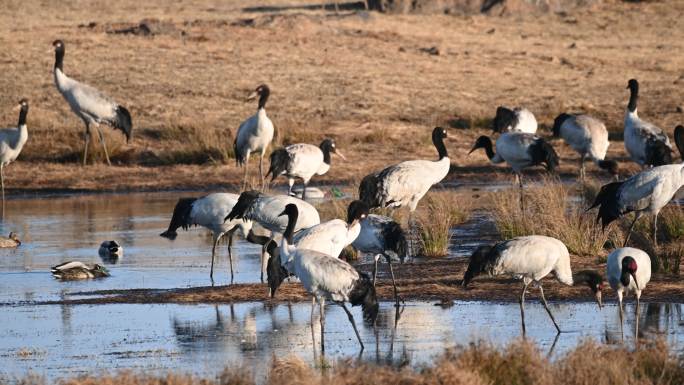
326, 154
59, 58
489, 149
22, 117
633, 97
263, 97
441, 148
291, 223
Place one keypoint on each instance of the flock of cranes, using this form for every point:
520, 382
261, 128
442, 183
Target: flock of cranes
295, 242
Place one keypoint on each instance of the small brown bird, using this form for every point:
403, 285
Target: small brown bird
11, 241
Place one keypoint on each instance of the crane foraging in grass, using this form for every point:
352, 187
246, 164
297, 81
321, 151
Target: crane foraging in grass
254, 134
209, 212
628, 270
404, 184
588, 136
265, 210
644, 193
645, 143
515, 120
303, 161
329, 238
520, 150
12, 141
327, 278
89, 104
531, 258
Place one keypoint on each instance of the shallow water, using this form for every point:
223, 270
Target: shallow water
58, 341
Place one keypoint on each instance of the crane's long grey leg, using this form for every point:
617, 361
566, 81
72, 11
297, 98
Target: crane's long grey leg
636, 328
546, 306
351, 319
522, 195
87, 142
522, 306
261, 170
313, 333
629, 232
655, 231
321, 306
104, 145
622, 332
304, 190
230, 253
394, 283
244, 179
213, 256
375, 268
2, 182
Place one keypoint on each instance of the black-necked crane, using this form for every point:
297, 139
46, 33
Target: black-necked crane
89, 104
520, 150
76, 270
254, 134
302, 160
516, 120
404, 184
531, 258
327, 278
628, 271
382, 237
644, 193
265, 210
209, 212
12, 141
645, 143
588, 136
330, 237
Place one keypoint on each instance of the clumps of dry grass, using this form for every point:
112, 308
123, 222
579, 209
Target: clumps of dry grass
520, 362
197, 145
440, 211
550, 211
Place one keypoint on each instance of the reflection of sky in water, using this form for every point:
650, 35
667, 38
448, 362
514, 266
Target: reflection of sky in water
66, 340
203, 339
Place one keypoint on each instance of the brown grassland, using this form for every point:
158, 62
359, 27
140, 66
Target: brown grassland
519, 363
359, 77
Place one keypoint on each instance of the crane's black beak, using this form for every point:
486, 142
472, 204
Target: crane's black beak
599, 299
636, 283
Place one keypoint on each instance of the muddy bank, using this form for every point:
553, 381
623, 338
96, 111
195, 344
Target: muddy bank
427, 281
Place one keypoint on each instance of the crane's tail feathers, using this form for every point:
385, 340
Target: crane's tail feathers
679, 139
396, 240
369, 191
244, 204
607, 202
275, 272
543, 152
280, 159
180, 218
123, 122
240, 154
363, 293
480, 260
658, 153
504, 118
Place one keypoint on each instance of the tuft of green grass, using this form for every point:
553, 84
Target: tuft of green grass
549, 211
440, 211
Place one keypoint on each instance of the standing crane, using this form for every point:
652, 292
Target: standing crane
644, 193
645, 143
327, 278
516, 120
209, 212
12, 141
265, 210
404, 184
531, 258
520, 150
254, 134
628, 271
89, 104
303, 161
588, 136
329, 238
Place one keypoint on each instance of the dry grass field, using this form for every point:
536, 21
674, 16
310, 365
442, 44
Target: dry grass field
363, 78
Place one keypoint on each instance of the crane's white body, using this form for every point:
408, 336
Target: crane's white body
532, 258
514, 149
650, 190
210, 211
267, 209
526, 122
371, 239
12, 141
255, 134
406, 183
89, 104
637, 135
306, 161
586, 135
329, 237
614, 271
